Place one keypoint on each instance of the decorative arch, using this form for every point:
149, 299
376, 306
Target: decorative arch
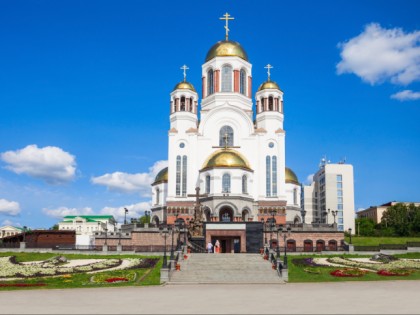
320, 245
210, 82
226, 134
296, 220
207, 214
308, 246
332, 245
226, 214
155, 219
227, 78
246, 215
291, 245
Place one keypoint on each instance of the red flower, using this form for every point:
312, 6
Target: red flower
112, 280
389, 273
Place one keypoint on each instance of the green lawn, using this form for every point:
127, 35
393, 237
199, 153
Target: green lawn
375, 241
141, 277
300, 274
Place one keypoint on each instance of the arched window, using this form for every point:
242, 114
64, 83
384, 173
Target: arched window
242, 82
268, 176
271, 176
274, 176
191, 104
227, 78
245, 215
226, 136
210, 82
270, 103
244, 184
157, 196
184, 175
207, 184
178, 176
226, 183
262, 104
182, 107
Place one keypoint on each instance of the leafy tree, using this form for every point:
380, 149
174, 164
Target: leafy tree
144, 219
404, 219
54, 227
366, 227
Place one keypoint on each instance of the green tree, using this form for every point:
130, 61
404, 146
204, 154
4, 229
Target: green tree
54, 227
404, 219
365, 226
144, 219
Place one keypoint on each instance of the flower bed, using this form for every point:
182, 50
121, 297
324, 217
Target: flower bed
393, 273
9, 268
115, 276
116, 279
393, 265
306, 262
348, 272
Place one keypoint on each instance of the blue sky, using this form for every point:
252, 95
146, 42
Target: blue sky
84, 94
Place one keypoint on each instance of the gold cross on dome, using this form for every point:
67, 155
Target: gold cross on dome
268, 67
185, 68
227, 17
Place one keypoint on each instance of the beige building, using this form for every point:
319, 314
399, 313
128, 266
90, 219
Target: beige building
376, 212
332, 190
9, 230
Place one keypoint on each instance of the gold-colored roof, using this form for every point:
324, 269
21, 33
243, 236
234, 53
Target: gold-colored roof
162, 176
269, 85
184, 85
226, 158
291, 177
226, 48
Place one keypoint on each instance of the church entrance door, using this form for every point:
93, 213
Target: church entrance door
228, 244
226, 214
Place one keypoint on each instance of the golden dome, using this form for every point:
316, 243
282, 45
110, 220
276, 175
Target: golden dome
161, 177
226, 158
291, 177
269, 85
226, 48
184, 85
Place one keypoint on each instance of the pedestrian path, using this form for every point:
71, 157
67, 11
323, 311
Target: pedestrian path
225, 268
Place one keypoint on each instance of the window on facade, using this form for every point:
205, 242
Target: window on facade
157, 196
207, 184
274, 176
178, 176
244, 184
182, 107
226, 183
242, 82
184, 175
227, 78
226, 136
210, 82
268, 176
339, 178
270, 103
339, 185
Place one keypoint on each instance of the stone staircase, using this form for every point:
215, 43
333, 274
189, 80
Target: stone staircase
202, 268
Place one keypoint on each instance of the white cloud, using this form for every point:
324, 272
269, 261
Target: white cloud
131, 183
310, 179
134, 211
406, 95
51, 164
9, 207
380, 54
360, 209
61, 212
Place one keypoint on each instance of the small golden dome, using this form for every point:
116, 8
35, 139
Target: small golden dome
291, 177
184, 85
269, 85
226, 158
226, 48
161, 177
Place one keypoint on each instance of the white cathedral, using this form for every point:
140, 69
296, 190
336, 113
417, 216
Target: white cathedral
236, 158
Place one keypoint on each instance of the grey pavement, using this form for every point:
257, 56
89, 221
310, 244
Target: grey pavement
382, 297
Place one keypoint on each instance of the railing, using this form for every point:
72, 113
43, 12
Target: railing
413, 244
196, 248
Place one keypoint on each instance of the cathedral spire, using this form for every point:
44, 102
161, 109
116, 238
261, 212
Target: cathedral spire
185, 68
227, 17
268, 67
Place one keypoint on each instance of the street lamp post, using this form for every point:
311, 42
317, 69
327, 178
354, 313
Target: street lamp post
272, 224
334, 213
172, 229
125, 215
164, 233
303, 216
286, 233
350, 234
265, 232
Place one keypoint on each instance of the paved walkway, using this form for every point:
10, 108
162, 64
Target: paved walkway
382, 297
